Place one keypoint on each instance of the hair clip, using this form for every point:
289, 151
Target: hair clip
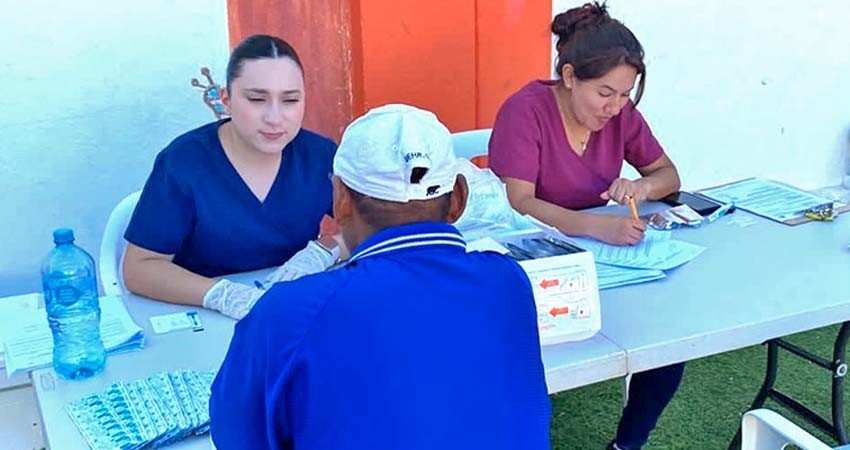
823, 213
213, 94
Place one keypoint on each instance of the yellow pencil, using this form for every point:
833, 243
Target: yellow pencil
634, 207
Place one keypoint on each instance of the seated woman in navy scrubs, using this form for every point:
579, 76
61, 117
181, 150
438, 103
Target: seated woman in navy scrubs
236, 195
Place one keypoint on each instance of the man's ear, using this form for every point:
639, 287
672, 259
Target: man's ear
460, 194
342, 203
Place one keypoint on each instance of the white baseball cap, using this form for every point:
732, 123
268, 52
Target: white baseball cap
380, 150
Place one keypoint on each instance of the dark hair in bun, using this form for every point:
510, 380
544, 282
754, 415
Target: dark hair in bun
594, 43
258, 46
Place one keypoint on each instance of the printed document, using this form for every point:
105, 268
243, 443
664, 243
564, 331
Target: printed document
766, 198
30, 344
11, 311
656, 251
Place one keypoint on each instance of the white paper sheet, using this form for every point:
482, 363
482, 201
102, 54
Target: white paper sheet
656, 251
767, 198
11, 309
31, 344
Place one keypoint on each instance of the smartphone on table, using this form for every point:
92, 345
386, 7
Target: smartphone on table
702, 205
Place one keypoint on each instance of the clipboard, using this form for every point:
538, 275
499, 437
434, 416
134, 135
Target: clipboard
773, 200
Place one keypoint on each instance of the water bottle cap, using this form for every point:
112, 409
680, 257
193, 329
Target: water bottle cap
63, 236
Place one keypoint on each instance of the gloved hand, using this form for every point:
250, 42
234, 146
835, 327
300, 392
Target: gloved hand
311, 259
232, 299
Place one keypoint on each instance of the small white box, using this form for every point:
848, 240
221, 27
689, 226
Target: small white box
566, 291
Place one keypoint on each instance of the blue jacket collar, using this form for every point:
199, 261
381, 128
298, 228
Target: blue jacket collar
408, 236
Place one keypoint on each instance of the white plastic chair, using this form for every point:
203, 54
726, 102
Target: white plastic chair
763, 429
469, 144
112, 245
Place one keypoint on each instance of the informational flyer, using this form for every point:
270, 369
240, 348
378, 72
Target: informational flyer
766, 198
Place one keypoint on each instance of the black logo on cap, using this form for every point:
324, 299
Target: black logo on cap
432, 190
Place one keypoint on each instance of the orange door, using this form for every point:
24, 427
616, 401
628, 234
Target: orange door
458, 58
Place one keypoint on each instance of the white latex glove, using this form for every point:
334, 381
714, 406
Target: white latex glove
311, 259
232, 299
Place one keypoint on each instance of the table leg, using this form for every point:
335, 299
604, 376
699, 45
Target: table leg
764, 391
838, 369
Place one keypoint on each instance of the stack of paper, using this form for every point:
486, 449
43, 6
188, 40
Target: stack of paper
623, 265
656, 251
29, 343
157, 411
11, 309
615, 276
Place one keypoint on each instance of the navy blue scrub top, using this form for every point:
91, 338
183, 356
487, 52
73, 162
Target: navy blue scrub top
197, 207
413, 344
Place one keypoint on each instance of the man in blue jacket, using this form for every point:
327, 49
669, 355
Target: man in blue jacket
413, 343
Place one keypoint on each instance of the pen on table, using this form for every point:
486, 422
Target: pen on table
633, 206
259, 285
719, 212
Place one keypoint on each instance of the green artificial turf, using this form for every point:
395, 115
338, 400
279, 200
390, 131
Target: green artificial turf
707, 409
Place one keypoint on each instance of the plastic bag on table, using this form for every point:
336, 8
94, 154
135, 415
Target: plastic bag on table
488, 210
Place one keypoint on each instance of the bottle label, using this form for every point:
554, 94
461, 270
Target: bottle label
66, 295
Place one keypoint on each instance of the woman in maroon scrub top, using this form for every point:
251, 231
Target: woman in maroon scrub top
559, 146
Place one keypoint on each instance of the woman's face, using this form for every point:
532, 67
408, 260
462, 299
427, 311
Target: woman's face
594, 102
267, 103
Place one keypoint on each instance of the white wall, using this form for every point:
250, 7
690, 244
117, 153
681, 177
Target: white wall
745, 88
92, 90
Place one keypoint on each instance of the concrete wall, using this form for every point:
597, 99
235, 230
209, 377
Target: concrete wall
91, 92
744, 88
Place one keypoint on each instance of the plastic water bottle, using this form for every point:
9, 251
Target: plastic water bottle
73, 310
